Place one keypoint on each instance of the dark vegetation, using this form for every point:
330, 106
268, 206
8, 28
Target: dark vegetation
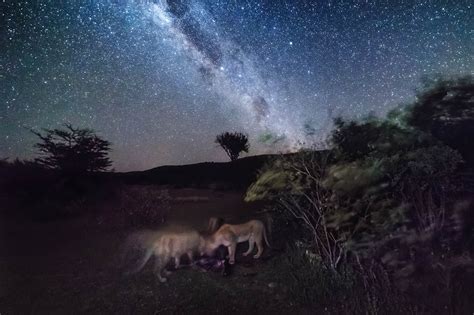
32, 191
391, 204
72, 150
233, 143
383, 222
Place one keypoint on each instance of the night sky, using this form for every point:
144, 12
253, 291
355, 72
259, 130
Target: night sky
160, 79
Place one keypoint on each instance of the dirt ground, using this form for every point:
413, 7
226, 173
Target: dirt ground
71, 266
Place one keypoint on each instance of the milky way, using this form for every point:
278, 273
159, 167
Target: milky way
160, 79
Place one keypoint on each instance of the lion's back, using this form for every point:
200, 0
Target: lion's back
178, 243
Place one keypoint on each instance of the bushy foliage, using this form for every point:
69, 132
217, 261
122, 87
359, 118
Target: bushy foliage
339, 217
395, 164
73, 150
296, 184
233, 143
445, 109
390, 190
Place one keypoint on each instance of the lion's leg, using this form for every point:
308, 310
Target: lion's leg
190, 255
259, 248
232, 248
159, 268
251, 245
176, 262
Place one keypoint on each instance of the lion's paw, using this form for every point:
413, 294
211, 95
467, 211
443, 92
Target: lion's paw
162, 279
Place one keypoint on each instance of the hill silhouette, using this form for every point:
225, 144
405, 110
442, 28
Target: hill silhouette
228, 175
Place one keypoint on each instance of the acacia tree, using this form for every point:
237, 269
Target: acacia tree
73, 150
233, 143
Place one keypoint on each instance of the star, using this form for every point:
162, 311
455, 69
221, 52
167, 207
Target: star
168, 76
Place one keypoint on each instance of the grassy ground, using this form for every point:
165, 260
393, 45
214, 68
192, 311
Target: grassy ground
72, 267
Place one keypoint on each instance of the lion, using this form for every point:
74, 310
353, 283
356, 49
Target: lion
165, 245
229, 235
214, 224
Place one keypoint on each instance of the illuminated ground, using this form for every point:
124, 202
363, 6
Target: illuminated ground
65, 267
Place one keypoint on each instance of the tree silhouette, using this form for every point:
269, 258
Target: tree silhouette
73, 150
233, 143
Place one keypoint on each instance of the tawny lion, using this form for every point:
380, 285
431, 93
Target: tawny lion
165, 245
230, 234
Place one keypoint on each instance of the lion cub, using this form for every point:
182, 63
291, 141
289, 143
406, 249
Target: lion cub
165, 245
229, 235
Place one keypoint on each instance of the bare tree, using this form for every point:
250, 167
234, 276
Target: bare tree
233, 143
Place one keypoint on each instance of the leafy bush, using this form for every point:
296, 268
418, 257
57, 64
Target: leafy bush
390, 191
295, 184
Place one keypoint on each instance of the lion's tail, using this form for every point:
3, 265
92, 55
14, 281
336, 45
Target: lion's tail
142, 262
265, 237
267, 227
135, 246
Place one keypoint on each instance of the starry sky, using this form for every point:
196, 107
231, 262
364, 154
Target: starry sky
160, 79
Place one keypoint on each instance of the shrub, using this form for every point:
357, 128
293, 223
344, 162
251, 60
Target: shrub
389, 194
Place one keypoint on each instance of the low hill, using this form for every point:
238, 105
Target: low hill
237, 174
